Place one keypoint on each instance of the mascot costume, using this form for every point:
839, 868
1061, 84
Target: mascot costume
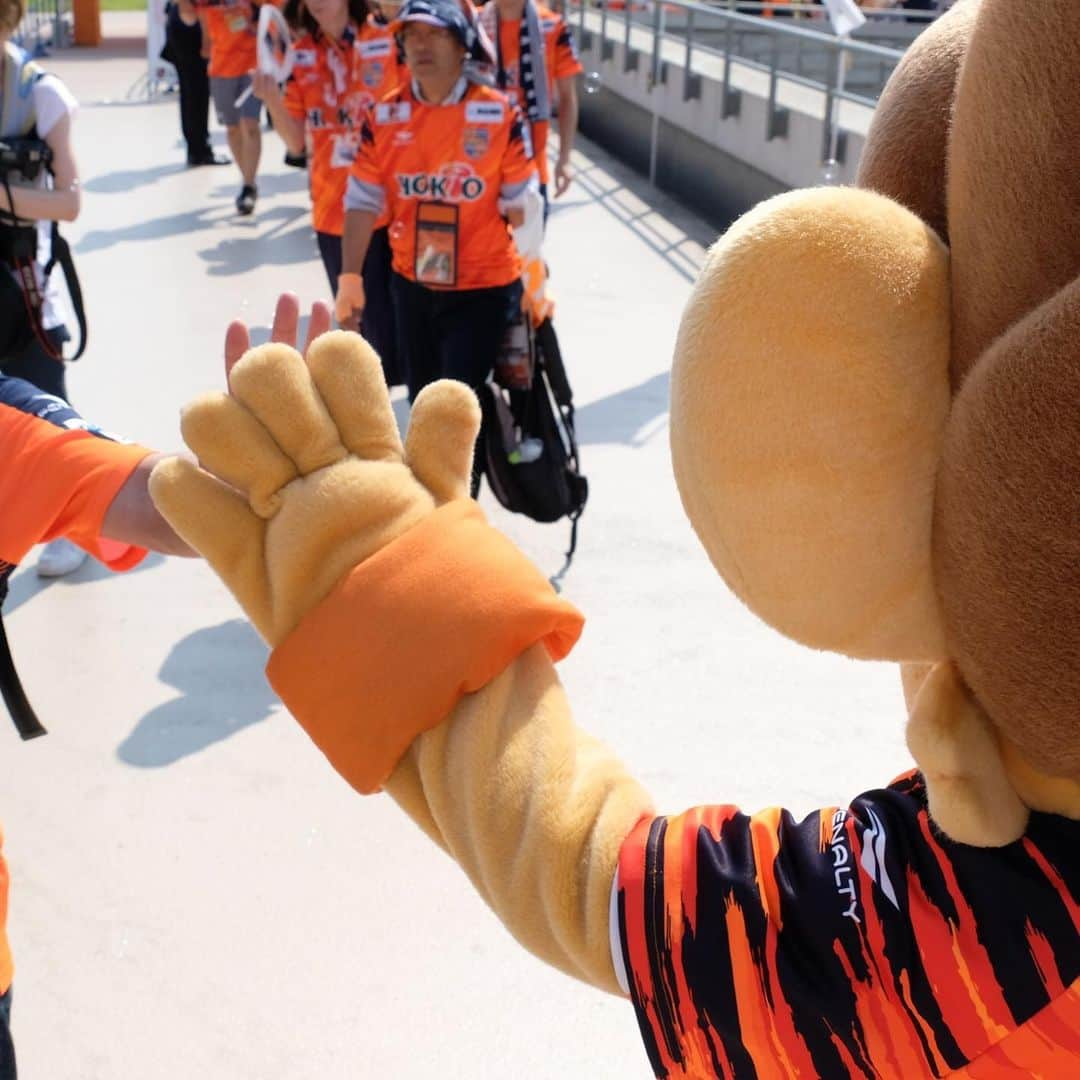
875, 425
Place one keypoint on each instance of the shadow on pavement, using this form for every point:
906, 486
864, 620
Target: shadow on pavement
269, 184
122, 180
157, 229
675, 233
627, 416
25, 585
219, 672
242, 254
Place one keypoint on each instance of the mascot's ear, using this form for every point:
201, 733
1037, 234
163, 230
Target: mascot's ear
810, 390
957, 750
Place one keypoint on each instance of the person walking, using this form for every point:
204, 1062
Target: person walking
184, 50
230, 26
449, 165
536, 64
345, 62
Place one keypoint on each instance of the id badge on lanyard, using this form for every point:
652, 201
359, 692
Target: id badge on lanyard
436, 244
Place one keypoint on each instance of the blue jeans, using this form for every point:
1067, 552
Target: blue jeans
7, 1050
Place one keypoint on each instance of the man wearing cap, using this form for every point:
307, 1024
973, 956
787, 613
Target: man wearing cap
449, 161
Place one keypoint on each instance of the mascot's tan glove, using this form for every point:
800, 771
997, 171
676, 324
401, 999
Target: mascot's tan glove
412, 641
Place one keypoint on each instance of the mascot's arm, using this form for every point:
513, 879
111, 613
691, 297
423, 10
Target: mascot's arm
412, 641
532, 809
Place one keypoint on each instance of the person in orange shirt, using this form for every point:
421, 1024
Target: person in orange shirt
230, 26
346, 60
64, 477
449, 162
536, 63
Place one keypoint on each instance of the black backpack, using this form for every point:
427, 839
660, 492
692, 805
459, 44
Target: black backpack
530, 452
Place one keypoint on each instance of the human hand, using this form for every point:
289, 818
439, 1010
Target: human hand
265, 88
283, 330
563, 174
303, 474
350, 301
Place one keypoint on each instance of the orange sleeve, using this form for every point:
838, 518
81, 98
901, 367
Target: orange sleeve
365, 166
56, 482
518, 164
566, 63
7, 968
294, 100
434, 616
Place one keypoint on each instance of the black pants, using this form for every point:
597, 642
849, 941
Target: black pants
183, 46
35, 365
377, 324
450, 334
7, 1050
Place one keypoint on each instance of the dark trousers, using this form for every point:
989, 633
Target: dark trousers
377, 324
7, 1049
35, 365
450, 334
183, 48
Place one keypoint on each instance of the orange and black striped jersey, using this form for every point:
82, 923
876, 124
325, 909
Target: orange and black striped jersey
59, 477
332, 84
439, 173
858, 942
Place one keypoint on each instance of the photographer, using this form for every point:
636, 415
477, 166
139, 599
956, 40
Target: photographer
36, 112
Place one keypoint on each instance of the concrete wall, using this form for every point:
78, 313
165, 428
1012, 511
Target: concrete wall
719, 166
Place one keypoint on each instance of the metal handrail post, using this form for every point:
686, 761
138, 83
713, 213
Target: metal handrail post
657, 70
777, 124
731, 100
690, 89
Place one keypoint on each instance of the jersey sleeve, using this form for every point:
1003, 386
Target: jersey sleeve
567, 63
857, 942
365, 167
294, 99
59, 477
364, 190
518, 166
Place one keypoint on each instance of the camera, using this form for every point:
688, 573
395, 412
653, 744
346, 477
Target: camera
24, 155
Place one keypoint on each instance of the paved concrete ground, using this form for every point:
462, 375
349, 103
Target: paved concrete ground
195, 893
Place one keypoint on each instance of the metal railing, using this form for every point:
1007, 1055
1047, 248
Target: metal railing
785, 50
47, 24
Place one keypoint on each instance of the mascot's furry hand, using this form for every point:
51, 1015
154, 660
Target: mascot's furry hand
303, 473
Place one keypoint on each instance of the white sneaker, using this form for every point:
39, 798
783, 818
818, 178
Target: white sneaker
60, 557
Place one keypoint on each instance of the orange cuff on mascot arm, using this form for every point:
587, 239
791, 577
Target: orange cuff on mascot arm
405, 635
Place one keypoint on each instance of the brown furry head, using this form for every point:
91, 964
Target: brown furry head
1007, 521
936, 396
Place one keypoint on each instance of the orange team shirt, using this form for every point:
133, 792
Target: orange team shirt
59, 478
231, 29
560, 59
332, 85
440, 171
